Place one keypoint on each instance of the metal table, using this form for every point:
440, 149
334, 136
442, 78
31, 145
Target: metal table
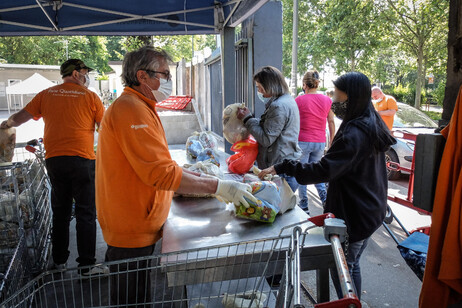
197, 223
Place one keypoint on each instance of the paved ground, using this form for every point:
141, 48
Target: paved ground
387, 280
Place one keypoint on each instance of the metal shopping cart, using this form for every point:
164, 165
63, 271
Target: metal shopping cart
25, 220
232, 275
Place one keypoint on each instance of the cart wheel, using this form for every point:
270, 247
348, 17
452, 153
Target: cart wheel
390, 156
388, 216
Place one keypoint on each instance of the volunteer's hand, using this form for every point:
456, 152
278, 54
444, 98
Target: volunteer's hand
265, 172
232, 191
243, 112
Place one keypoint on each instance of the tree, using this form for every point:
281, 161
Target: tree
454, 64
417, 23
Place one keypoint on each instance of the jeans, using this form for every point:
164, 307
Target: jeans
73, 178
131, 283
353, 256
293, 184
311, 152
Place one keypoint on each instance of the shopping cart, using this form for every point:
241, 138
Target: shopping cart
15, 214
25, 220
231, 275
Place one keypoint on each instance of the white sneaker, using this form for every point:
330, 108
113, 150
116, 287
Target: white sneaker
94, 271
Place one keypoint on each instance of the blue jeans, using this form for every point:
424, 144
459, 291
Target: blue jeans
291, 181
311, 152
354, 253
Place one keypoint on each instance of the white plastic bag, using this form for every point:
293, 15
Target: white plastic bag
233, 128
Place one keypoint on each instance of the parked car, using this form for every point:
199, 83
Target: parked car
410, 120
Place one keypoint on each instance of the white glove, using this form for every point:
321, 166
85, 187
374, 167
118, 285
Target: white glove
232, 191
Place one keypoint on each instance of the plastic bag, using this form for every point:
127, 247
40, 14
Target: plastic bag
205, 167
198, 142
233, 128
208, 154
193, 146
266, 209
246, 153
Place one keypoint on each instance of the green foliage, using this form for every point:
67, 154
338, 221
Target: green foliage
96, 51
401, 93
382, 38
435, 116
438, 92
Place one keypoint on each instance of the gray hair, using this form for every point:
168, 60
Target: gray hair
376, 89
145, 58
272, 81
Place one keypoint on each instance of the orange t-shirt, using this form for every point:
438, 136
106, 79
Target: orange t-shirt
135, 174
69, 112
387, 103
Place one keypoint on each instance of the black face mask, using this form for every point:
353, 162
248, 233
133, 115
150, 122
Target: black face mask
339, 109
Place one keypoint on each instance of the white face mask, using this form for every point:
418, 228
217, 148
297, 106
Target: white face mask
164, 91
86, 83
262, 98
375, 101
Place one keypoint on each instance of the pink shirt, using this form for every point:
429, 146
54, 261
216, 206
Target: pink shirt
314, 109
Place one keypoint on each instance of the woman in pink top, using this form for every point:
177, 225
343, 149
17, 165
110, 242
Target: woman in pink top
314, 113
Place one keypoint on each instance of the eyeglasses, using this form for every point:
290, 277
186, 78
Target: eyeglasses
168, 75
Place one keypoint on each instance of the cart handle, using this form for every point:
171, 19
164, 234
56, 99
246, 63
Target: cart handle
319, 220
349, 299
31, 149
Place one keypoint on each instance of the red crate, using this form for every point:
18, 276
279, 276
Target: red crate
175, 102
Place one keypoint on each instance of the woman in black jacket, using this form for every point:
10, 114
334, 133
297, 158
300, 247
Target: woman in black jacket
354, 166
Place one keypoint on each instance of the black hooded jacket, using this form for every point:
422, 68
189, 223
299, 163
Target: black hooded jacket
356, 171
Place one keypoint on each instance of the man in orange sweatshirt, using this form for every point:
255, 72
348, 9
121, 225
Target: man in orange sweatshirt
70, 112
136, 176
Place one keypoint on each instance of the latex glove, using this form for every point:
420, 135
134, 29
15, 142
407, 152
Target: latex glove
232, 191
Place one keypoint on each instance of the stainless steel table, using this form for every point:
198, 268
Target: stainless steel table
205, 223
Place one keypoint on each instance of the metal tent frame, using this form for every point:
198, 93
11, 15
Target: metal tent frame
117, 17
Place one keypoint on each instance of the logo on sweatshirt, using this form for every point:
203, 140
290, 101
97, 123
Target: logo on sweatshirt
139, 126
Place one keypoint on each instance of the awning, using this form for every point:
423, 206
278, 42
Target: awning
121, 17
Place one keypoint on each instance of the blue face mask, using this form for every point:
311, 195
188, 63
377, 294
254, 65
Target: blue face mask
262, 98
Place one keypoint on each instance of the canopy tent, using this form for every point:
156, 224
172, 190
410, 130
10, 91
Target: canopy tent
121, 17
32, 85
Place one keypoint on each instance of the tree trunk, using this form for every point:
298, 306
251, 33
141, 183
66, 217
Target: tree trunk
418, 82
454, 68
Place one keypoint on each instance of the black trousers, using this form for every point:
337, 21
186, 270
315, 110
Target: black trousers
73, 178
130, 281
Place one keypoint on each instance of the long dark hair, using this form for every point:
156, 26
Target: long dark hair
358, 88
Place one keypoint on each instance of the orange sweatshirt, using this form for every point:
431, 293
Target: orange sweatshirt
69, 112
135, 174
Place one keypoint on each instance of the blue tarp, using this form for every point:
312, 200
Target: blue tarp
121, 17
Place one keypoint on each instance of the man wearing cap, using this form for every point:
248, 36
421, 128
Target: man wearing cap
70, 112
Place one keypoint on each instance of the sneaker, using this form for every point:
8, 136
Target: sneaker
94, 271
59, 267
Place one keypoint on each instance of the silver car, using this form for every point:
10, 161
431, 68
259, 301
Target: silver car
409, 120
